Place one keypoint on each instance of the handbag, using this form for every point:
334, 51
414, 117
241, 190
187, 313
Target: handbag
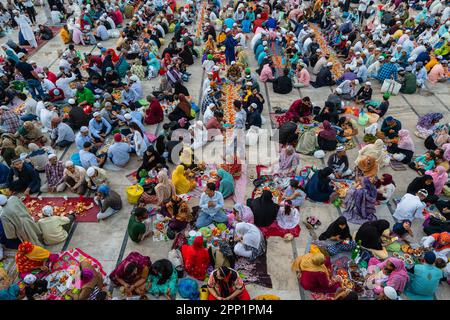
391, 86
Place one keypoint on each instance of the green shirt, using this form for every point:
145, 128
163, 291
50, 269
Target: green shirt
135, 228
85, 95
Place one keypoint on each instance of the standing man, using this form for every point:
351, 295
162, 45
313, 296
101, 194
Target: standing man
230, 45
31, 77
24, 25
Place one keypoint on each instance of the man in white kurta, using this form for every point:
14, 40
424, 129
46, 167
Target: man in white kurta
24, 24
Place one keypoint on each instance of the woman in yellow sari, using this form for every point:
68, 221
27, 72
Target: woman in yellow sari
221, 37
433, 61
30, 257
65, 35
210, 45
242, 58
182, 184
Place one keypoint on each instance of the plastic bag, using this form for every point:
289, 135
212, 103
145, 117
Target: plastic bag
363, 119
251, 138
372, 129
188, 289
175, 257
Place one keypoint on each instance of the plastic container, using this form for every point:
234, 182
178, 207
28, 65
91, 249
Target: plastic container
133, 193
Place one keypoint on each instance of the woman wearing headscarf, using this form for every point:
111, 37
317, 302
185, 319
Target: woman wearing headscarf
226, 186
374, 150
182, 184
195, 258
315, 273
391, 272
327, 137
29, 133
30, 257
287, 222
186, 55
178, 211
162, 279
339, 232
154, 113
360, 202
10, 53
318, 187
243, 213
370, 234
427, 124
440, 177
210, 44
225, 284
264, 209
385, 188
424, 182
151, 158
132, 273
250, 242
164, 189
328, 113
289, 160
404, 149
91, 284
182, 110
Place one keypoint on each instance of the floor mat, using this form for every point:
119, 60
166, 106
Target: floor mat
41, 43
277, 119
132, 178
254, 272
397, 165
35, 205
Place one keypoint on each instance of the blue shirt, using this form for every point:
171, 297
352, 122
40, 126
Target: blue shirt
229, 22
95, 127
217, 198
88, 159
80, 140
63, 133
118, 153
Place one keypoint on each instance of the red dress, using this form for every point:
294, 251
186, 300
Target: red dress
195, 258
227, 286
317, 281
154, 114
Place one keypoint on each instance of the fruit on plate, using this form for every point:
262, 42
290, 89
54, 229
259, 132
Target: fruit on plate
405, 247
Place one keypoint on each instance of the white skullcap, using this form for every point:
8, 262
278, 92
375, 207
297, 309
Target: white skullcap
381, 58
47, 211
227, 30
20, 55
71, 101
41, 76
69, 164
134, 78
233, 62
329, 64
265, 43
127, 116
51, 156
3, 199
390, 293
393, 60
318, 50
96, 114
357, 52
84, 129
90, 171
368, 83
30, 279
338, 90
356, 81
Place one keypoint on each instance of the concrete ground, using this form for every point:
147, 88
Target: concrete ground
108, 241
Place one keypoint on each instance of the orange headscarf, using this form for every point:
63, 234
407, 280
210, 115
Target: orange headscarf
30, 257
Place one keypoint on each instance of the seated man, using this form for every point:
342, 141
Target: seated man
382, 108
77, 117
95, 177
54, 172
62, 135
75, 178
139, 225
119, 151
283, 84
339, 163
89, 159
211, 207
54, 228
108, 200
99, 127
23, 178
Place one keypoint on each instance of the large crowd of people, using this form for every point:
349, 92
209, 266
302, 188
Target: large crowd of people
98, 104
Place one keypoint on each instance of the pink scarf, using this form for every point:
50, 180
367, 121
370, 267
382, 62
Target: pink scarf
405, 140
399, 277
446, 148
440, 177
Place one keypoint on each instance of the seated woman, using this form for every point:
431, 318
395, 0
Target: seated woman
339, 232
131, 274
243, 213
178, 211
264, 209
182, 184
318, 187
8, 289
367, 166
315, 273
345, 131
182, 110
404, 149
328, 113
425, 280
195, 259
327, 137
385, 188
423, 163
427, 124
438, 138
287, 222
154, 113
289, 160
225, 284
164, 189
370, 234
162, 279
423, 182
440, 178
226, 186
374, 150
360, 202
391, 272
250, 242
234, 72
439, 243
30, 257
294, 193
91, 284
403, 230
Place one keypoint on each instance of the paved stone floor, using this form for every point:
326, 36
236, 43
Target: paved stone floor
108, 241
